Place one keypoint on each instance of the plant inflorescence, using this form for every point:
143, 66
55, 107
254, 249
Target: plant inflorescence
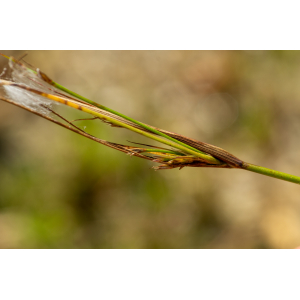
33, 90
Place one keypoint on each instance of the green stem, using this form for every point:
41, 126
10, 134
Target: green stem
272, 173
172, 142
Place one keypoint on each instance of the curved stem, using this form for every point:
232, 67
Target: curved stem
271, 173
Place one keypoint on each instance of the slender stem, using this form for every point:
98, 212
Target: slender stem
272, 173
171, 141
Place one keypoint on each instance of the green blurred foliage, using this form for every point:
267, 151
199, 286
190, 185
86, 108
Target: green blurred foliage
60, 190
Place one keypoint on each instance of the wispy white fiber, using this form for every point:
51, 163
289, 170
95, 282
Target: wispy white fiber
21, 75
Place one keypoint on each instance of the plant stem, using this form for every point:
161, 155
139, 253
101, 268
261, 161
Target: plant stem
155, 135
271, 173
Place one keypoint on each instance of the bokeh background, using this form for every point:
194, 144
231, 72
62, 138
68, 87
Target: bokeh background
61, 190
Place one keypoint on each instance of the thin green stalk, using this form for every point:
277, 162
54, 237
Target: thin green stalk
156, 135
247, 166
272, 173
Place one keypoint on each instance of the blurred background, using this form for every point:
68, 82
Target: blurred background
61, 190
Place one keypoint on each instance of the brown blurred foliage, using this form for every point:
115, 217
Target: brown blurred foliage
60, 190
